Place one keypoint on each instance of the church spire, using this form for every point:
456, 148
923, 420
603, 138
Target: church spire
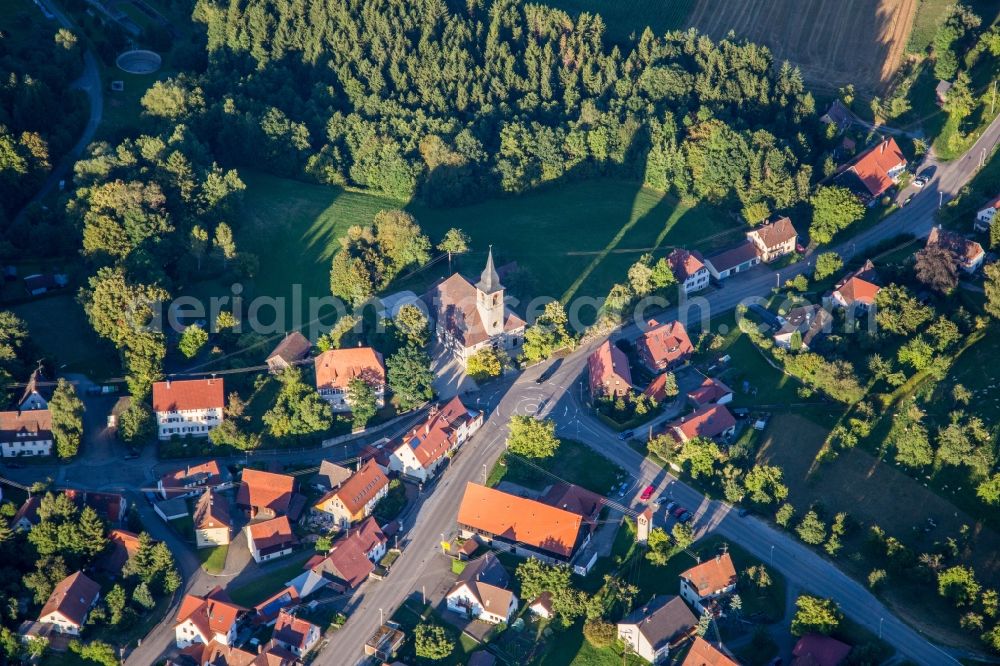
489, 281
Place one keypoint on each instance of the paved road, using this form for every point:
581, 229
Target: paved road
801, 566
90, 83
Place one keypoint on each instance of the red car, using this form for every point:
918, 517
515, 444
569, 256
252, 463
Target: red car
647, 493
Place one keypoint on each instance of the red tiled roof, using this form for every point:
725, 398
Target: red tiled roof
873, 167
774, 233
711, 575
31, 424
348, 561
107, 505
266, 489
575, 499
211, 511
856, 290
28, 510
367, 535
360, 488
707, 421
734, 256
817, 650
703, 653
215, 613
967, 249
710, 390
434, 438
188, 394
182, 480
519, 519
122, 546
684, 264
608, 370
336, 368
72, 598
657, 389
292, 630
454, 301
665, 343
274, 534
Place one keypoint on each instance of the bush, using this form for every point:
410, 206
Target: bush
432, 641
599, 633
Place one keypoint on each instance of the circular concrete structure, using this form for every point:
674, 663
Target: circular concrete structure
139, 61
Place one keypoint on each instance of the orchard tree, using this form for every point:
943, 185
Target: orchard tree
959, 584
834, 208
298, 409
815, 615
827, 264
412, 325
192, 340
410, 377
432, 641
532, 438
988, 489
363, 402
812, 530
67, 410
455, 241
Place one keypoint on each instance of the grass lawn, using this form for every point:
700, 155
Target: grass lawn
577, 239
626, 19
573, 461
409, 615
275, 575
184, 527
568, 647
213, 560
81, 352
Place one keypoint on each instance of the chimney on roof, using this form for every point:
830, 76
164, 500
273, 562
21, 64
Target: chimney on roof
168, 382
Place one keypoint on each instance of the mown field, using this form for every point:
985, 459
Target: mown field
575, 240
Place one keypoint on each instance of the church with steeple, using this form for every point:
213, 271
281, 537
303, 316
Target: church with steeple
469, 317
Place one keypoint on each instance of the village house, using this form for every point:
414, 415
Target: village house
271, 539
192, 480
985, 217
27, 514
542, 606
189, 407
212, 524
710, 392
296, 635
219, 654
837, 114
735, 260
657, 626
36, 393
609, 373
857, 290
525, 527
331, 475
664, 346
69, 604
702, 585
819, 650
422, 451
213, 617
807, 323
482, 591
875, 171
385, 642
703, 653
348, 563
970, 254
336, 368
122, 546
355, 498
292, 350
112, 507
774, 240
26, 433
711, 421
468, 318
689, 269
267, 495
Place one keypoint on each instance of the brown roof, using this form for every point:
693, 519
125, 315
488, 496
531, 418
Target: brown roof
107, 505
211, 511
188, 394
436, 436
520, 519
967, 249
332, 475
293, 347
684, 264
347, 561
31, 424
272, 535
665, 343
710, 390
706, 421
703, 653
712, 575
856, 290
574, 498
734, 256
454, 302
809, 320
28, 510
181, 481
292, 630
367, 534
72, 597
488, 581
663, 620
873, 167
266, 489
122, 546
215, 613
336, 368
218, 654
358, 490
818, 650
774, 233
609, 371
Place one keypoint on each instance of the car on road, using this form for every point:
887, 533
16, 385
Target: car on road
678, 512
551, 370
647, 493
625, 435
623, 489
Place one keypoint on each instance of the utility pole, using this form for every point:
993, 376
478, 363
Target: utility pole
484, 474
880, 621
994, 102
772, 554
940, 200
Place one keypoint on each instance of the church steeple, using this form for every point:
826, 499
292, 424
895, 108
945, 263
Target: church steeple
489, 281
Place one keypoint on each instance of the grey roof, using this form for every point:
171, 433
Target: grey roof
332, 475
293, 347
489, 281
486, 569
663, 620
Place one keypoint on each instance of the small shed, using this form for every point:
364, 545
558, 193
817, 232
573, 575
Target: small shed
941, 91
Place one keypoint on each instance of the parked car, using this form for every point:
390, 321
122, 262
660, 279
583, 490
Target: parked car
647, 493
659, 500
671, 506
621, 491
685, 517
625, 435
919, 181
678, 512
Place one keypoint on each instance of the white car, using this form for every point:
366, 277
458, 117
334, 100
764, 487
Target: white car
919, 181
